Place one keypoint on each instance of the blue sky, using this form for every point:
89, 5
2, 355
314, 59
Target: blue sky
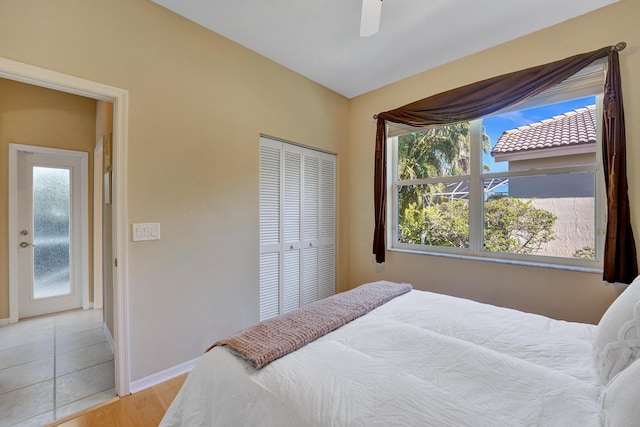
496, 125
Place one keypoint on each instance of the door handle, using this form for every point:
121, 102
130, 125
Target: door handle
25, 244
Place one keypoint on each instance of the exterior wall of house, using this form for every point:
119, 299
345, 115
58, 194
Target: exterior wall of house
574, 230
553, 186
546, 162
549, 186
557, 293
570, 197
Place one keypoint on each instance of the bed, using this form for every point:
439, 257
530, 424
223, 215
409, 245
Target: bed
427, 359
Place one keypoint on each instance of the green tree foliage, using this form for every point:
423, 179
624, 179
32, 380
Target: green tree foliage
443, 224
433, 152
429, 216
516, 226
511, 225
586, 252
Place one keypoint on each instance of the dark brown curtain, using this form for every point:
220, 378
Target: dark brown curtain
619, 248
492, 95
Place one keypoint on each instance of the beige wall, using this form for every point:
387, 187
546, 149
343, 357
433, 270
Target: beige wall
197, 105
556, 293
33, 115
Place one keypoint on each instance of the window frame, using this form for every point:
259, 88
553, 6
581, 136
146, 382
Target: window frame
580, 85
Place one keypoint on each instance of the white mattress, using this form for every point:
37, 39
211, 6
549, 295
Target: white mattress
422, 359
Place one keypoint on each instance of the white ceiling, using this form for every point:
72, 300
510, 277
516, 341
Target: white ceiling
320, 38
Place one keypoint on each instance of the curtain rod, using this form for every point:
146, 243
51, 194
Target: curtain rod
618, 47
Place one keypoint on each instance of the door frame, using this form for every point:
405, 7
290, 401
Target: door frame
81, 272
42, 77
97, 224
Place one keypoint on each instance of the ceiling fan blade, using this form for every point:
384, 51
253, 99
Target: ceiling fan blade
370, 20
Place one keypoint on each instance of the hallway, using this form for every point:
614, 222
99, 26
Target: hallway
54, 366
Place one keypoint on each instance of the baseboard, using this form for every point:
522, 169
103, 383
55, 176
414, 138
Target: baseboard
107, 333
162, 376
4, 322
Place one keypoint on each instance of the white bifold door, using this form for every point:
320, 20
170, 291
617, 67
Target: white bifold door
297, 226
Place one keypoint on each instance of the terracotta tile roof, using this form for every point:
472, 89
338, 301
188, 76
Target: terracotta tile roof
572, 128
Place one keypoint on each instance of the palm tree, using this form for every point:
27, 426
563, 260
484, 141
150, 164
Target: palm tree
433, 152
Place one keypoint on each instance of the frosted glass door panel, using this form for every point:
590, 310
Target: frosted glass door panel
51, 238
51, 229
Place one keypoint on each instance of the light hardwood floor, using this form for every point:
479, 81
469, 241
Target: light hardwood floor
143, 409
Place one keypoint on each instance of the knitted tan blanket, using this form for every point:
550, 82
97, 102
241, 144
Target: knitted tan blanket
269, 340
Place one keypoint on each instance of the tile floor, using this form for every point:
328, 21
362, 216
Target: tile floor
52, 367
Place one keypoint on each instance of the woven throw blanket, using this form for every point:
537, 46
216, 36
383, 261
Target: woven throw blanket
269, 340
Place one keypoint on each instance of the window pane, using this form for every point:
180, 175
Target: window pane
549, 215
527, 139
434, 152
51, 220
434, 214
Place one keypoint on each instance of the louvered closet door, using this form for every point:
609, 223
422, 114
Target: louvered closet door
327, 226
291, 224
270, 245
310, 226
297, 226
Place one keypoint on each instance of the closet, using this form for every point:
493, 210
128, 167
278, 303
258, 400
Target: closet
297, 226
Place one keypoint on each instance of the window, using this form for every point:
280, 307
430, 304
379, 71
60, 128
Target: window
521, 185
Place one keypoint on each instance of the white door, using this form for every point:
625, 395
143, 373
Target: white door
297, 226
291, 221
51, 236
327, 226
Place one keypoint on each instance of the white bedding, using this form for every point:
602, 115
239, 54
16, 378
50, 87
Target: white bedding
422, 359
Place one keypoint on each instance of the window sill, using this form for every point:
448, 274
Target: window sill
502, 261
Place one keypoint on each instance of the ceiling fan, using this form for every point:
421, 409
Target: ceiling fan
370, 19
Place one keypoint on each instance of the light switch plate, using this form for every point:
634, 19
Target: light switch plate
145, 231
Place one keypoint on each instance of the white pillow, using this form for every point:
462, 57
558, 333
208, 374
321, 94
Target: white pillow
616, 343
619, 400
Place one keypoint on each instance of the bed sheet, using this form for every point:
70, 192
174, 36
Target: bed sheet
421, 359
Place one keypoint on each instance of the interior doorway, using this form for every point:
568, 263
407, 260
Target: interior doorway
118, 264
